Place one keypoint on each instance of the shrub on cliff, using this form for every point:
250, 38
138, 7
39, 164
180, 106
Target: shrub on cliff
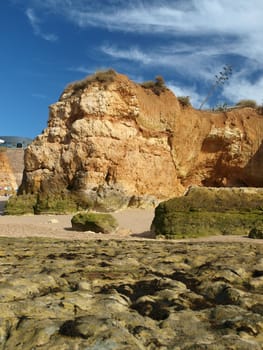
157, 86
104, 77
184, 101
96, 222
247, 103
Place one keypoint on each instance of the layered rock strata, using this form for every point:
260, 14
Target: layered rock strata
120, 144
130, 295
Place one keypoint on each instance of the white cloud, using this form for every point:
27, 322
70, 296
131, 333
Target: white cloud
133, 54
81, 69
228, 26
198, 36
179, 59
242, 88
35, 23
195, 17
195, 98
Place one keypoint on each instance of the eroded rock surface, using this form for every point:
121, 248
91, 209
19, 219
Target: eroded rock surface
121, 145
130, 295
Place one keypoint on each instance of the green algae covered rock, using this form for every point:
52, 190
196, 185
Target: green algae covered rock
209, 211
96, 222
256, 233
20, 205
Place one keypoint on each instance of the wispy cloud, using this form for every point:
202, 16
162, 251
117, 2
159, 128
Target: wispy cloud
131, 54
191, 17
80, 69
36, 25
194, 38
195, 98
241, 88
212, 21
180, 58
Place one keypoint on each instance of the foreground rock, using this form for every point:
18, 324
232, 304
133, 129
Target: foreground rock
96, 222
205, 211
130, 295
114, 143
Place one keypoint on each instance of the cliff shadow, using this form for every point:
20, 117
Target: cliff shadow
252, 173
225, 174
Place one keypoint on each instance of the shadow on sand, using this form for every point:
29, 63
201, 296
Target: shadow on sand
146, 234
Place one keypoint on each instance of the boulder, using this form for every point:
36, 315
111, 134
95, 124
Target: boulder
96, 222
209, 211
256, 233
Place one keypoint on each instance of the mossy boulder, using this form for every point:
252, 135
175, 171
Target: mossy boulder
205, 211
55, 204
29, 204
20, 205
96, 222
256, 233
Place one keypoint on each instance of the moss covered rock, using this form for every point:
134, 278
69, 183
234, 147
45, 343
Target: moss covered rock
28, 204
209, 211
256, 233
20, 205
55, 204
96, 222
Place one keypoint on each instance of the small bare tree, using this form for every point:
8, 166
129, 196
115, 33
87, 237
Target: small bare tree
220, 81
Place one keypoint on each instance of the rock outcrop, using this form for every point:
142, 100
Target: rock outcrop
205, 211
9, 179
130, 295
116, 143
16, 161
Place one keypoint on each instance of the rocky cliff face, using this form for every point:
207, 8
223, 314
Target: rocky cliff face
9, 178
118, 144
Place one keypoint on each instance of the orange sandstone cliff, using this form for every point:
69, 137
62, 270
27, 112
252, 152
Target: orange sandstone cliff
121, 144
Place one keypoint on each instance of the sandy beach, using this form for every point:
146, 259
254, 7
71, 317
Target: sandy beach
134, 224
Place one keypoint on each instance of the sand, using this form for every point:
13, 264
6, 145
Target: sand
133, 224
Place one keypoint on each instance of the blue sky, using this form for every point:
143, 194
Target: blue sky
45, 44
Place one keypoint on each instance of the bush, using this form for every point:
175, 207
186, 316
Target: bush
104, 77
184, 101
96, 222
221, 107
247, 103
157, 86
